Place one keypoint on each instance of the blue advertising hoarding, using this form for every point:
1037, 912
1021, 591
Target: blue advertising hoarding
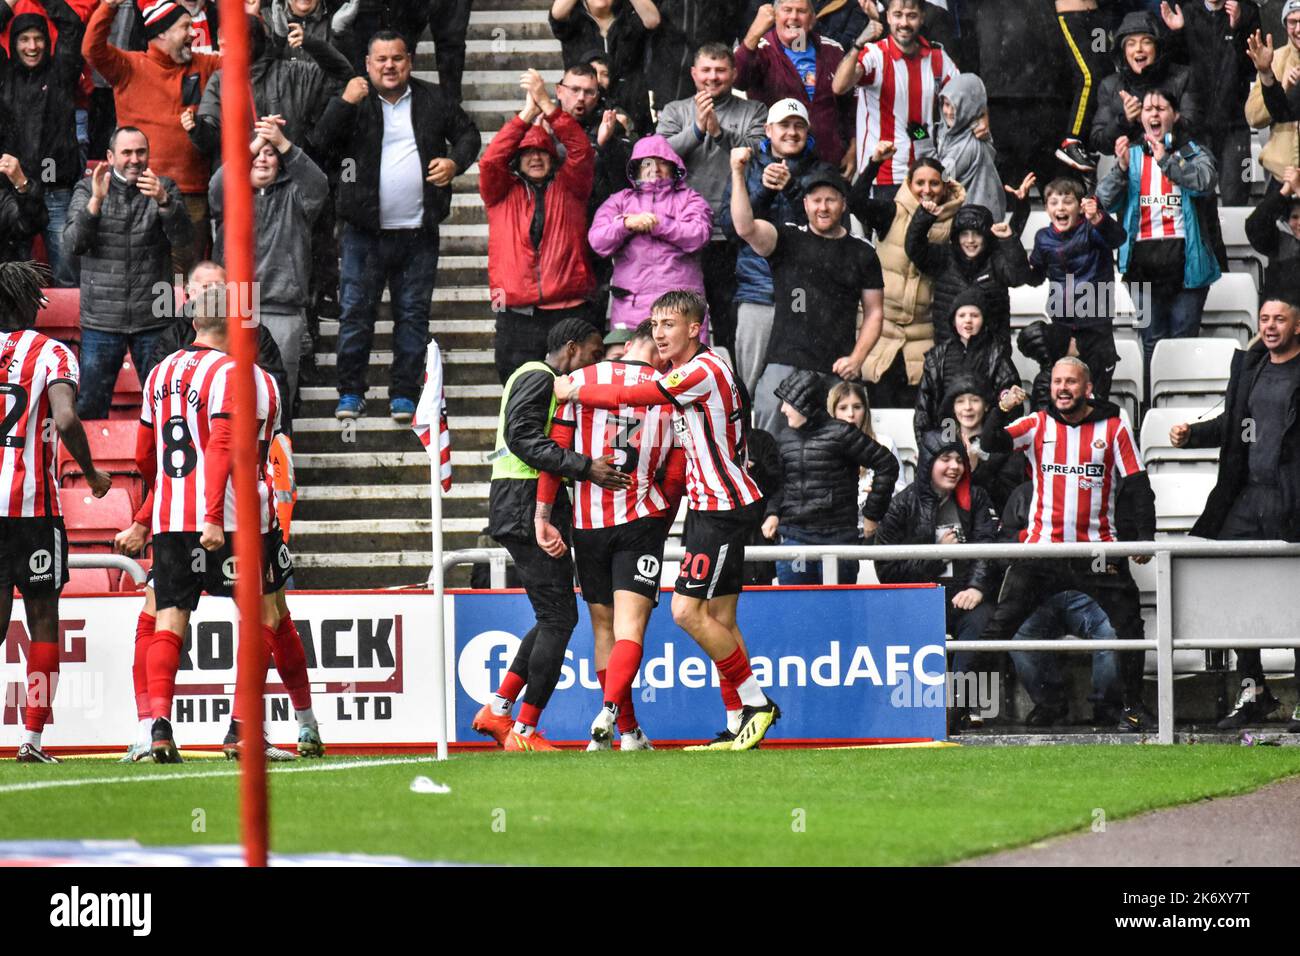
847, 663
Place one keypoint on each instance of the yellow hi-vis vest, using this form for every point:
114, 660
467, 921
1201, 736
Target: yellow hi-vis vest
505, 463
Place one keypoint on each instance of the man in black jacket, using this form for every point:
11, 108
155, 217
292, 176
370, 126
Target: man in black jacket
22, 210
39, 86
820, 458
1257, 496
126, 223
1079, 449
523, 449
1215, 34
401, 141
942, 507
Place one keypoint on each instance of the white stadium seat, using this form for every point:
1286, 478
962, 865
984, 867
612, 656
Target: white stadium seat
1232, 308
1180, 499
1037, 220
1190, 372
1025, 366
1028, 304
1126, 386
1241, 257
897, 424
1160, 457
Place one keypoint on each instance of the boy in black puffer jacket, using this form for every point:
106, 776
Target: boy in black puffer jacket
972, 350
943, 507
978, 255
820, 458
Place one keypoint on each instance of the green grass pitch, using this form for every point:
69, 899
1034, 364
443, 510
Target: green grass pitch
791, 807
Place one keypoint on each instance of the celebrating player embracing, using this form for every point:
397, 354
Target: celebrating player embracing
619, 535
38, 384
724, 505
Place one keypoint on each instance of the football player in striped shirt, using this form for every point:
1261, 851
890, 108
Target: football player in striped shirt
618, 535
38, 386
1080, 450
724, 505
183, 452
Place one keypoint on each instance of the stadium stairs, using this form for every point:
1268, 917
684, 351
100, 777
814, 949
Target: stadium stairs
362, 517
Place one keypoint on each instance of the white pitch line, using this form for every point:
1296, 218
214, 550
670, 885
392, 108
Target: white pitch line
314, 768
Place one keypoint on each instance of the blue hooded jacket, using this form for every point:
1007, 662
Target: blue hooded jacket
753, 274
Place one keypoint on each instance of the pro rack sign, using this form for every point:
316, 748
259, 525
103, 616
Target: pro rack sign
370, 680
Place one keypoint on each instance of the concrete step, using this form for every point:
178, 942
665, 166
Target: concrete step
490, 84
485, 399
321, 469
505, 54
353, 467
449, 333
409, 535
466, 499
483, 7
466, 210
509, 25
375, 432
318, 571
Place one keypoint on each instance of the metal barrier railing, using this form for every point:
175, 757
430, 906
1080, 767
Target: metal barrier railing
116, 561
1164, 552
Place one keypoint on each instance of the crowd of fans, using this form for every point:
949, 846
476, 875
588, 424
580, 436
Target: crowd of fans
854, 221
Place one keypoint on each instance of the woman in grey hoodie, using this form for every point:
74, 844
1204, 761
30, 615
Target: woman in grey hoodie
967, 158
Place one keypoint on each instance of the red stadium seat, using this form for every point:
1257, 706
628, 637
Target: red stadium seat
91, 581
127, 584
92, 523
127, 396
112, 445
61, 318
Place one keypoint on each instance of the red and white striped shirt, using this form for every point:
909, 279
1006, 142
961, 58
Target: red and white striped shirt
639, 438
29, 364
894, 92
1076, 470
184, 394
710, 422
1160, 205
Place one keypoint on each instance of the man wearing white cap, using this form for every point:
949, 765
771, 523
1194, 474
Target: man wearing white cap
703, 129
774, 179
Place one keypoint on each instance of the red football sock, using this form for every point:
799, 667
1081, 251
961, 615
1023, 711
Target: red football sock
600, 676
624, 660
42, 682
730, 697
163, 658
264, 660
735, 669
627, 721
139, 669
529, 715
510, 687
291, 662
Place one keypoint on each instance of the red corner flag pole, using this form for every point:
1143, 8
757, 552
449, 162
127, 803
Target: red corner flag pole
236, 123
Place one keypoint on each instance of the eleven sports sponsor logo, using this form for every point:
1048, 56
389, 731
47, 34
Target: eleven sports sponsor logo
486, 657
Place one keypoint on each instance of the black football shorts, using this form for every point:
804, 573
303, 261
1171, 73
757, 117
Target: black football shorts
625, 557
33, 555
715, 551
183, 571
